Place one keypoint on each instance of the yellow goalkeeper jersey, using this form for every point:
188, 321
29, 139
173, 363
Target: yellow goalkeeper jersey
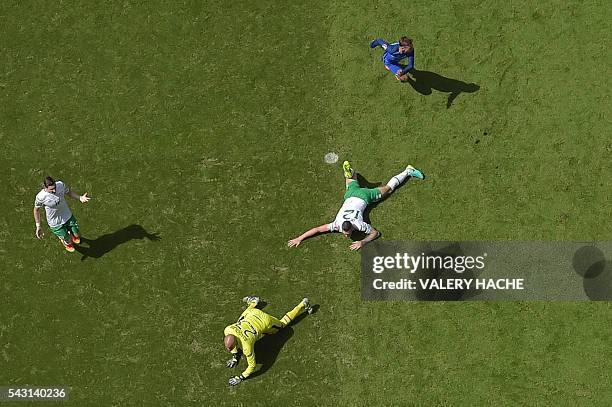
251, 326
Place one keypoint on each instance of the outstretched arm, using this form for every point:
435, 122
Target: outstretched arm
360, 243
82, 198
312, 232
379, 42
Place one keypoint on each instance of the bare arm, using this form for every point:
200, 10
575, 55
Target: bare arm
309, 233
36, 216
39, 232
360, 243
82, 198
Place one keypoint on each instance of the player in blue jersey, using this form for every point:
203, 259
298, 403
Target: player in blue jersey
394, 56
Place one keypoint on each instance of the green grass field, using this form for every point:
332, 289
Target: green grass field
199, 129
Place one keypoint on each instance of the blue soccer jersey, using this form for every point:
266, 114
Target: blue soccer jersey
393, 58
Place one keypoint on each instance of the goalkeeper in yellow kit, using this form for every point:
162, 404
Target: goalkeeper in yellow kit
251, 326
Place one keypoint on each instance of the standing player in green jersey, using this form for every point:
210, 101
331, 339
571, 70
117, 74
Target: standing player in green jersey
60, 219
356, 200
253, 323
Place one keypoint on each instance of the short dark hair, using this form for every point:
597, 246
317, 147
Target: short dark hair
405, 42
48, 181
347, 226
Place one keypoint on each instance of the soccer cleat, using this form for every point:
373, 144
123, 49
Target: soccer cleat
413, 172
249, 299
348, 171
69, 248
307, 307
374, 43
75, 239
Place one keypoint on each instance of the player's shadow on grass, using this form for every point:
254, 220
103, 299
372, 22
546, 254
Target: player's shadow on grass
440, 273
426, 81
98, 247
268, 348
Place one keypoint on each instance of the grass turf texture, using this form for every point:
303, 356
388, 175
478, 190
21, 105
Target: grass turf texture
206, 124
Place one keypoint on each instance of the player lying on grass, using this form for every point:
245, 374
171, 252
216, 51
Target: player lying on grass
60, 219
394, 55
356, 199
251, 326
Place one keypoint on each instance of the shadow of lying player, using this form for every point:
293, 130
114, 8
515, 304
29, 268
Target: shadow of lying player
426, 81
268, 347
100, 246
438, 272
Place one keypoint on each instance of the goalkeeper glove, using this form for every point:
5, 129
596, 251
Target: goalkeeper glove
232, 362
235, 380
